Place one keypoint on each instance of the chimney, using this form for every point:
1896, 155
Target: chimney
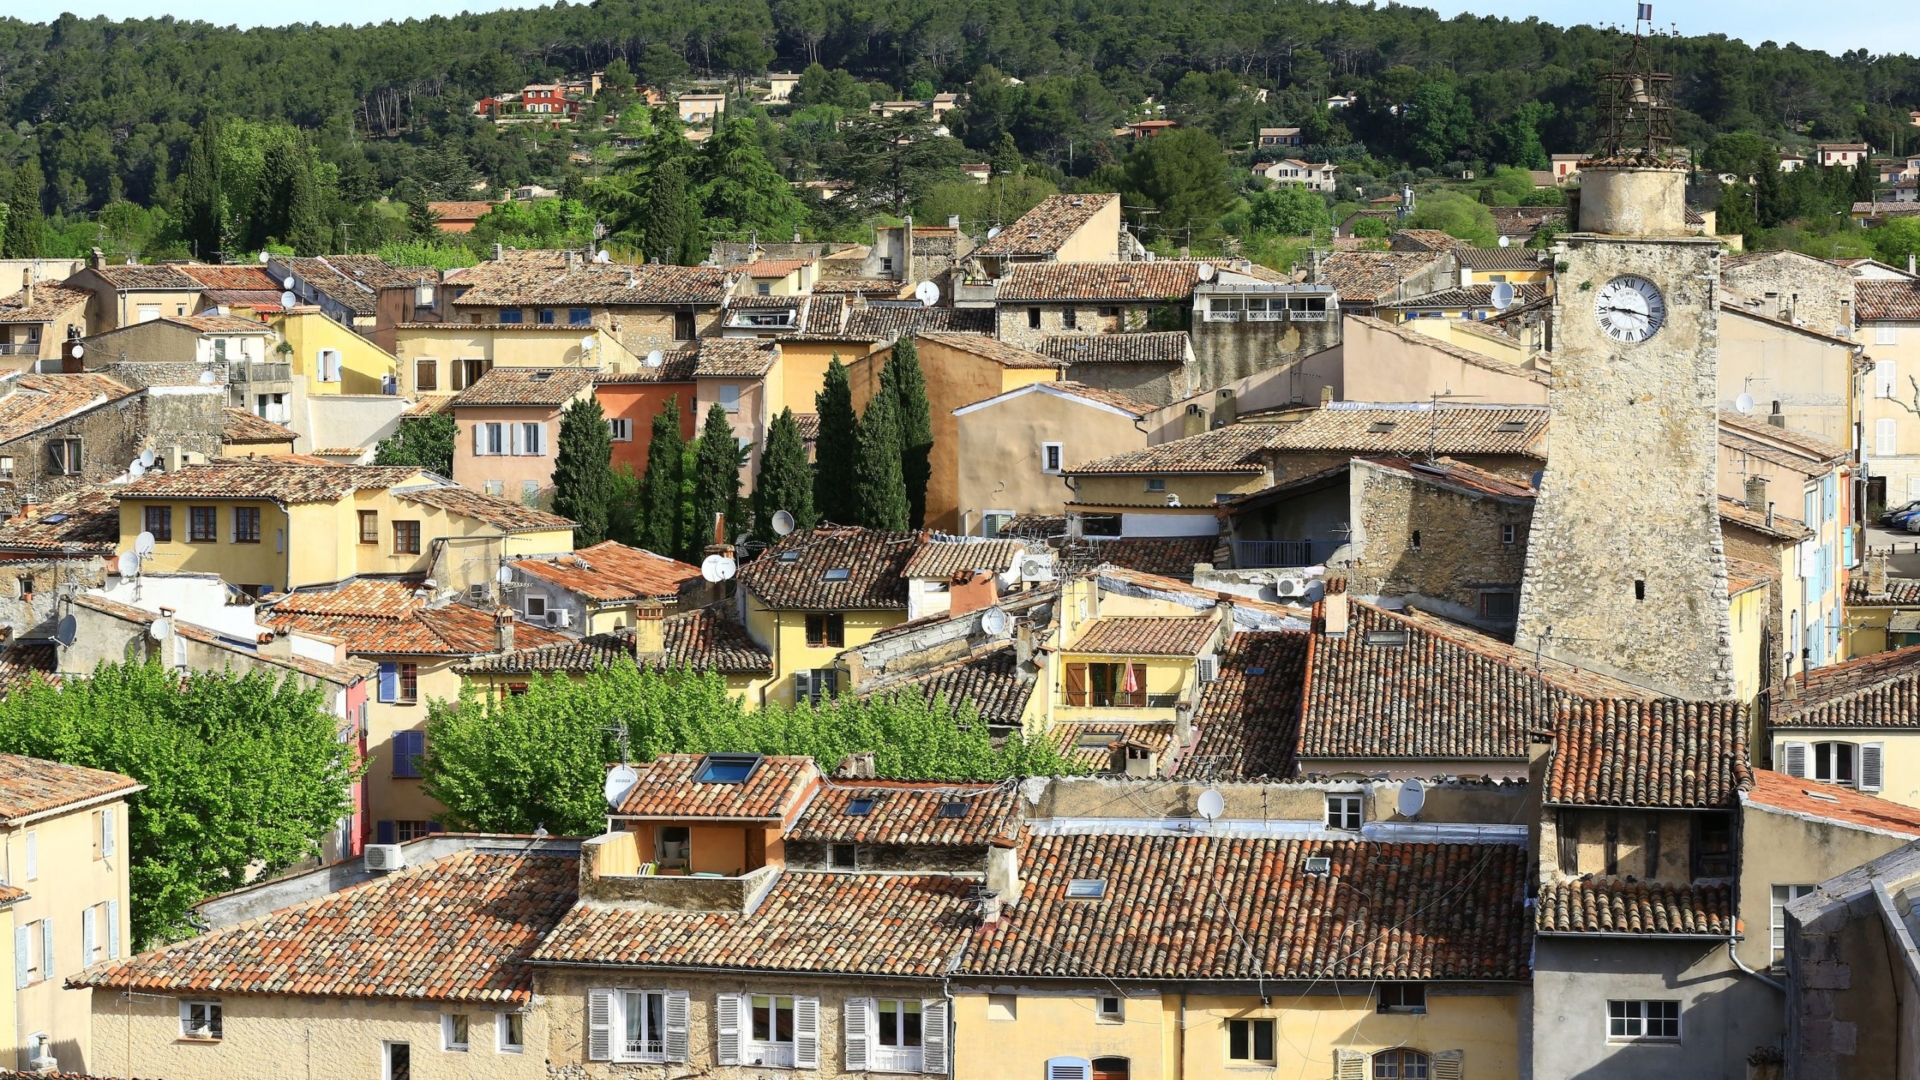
1326, 396
1877, 575
1022, 644
1334, 610
1757, 494
649, 630
856, 766
1003, 870
503, 630
97, 259
1226, 408
1183, 724
1776, 417
499, 251
29, 506
1910, 262
953, 222
26, 287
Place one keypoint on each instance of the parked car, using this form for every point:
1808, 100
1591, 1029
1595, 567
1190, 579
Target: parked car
1897, 515
1911, 523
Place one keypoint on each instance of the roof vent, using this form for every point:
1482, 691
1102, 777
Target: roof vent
860, 807
541, 376
384, 858
790, 556
954, 808
1086, 888
1319, 864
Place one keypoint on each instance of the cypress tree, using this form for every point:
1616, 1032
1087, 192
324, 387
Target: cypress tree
306, 232
660, 487
25, 236
785, 481
671, 231
716, 479
876, 469
906, 383
200, 194
836, 449
583, 470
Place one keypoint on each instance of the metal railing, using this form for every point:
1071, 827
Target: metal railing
1265, 316
1304, 315
1259, 554
904, 1059
19, 348
1117, 699
1223, 316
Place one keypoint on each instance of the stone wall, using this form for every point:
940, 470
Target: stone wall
1463, 551
1791, 285
893, 858
1155, 384
112, 435
1226, 351
1014, 320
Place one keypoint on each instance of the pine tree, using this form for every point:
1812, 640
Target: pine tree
785, 481
583, 471
876, 468
836, 449
200, 196
671, 228
906, 383
26, 234
660, 487
716, 479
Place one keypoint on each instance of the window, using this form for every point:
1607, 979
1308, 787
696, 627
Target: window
536, 607
1509, 534
370, 526
898, 1023
771, 1026
827, 631
1499, 604
454, 1032
1639, 588
620, 429
730, 398
1782, 896
530, 439
1070, 319
407, 748
1400, 1064
399, 1062
1885, 375
158, 520
1643, 1020
763, 288
683, 326
642, 1025
33, 952
26, 586
727, 768
886, 264
495, 488
511, 1033
1833, 763
246, 524
1413, 541
1712, 846
1109, 312
426, 375
105, 835
399, 683
406, 538
489, 439
860, 807
6, 468
816, 683
1156, 483
1250, 1040
843, 856
63, 457
1403, 998
1107, 685
1886, 437
546, 316
1052, 455
1343, 811
199, 1019
1112, 1009
329, 365
579, 316
100, 932
1086, 888
468, 372
510, 315
203, 524
1882, 334
412, 830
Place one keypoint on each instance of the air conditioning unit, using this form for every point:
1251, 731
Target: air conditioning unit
382, 858
559, 616
1035, 568
1289, 586
1319, 865
477, 593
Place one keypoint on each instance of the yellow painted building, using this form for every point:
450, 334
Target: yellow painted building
446, 358
815, 595
1822, 726
330, 358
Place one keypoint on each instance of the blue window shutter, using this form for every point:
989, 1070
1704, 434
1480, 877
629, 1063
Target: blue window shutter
389, 682
22, 947
383, 832
113, 929
434, 827
407, 748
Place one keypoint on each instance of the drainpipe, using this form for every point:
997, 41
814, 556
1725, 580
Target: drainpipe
1733, 954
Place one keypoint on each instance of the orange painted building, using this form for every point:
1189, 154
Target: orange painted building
631, 401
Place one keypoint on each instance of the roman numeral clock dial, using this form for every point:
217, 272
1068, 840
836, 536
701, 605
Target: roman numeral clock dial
1630, 309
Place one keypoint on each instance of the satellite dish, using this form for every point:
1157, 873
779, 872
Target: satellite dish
80, 350
602, 257
67, 630
1212, 804
207, 378
263, 258
586, 343
287, 300
148, 457
717, 568
1413, 796
620, 780
143, 544
993, 232
1205, 271
1506, 241
158, 629
136, 470
782, 523
1502, 295
927, 293
993, 621
287, 282
1743, 404
656, 358
505, 576
129, 564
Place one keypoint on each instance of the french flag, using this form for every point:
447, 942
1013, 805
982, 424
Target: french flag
1646, 13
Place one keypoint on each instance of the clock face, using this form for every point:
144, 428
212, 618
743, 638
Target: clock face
1630, 309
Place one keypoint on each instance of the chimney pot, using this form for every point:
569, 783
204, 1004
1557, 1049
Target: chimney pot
503, 630
1877, 575
1326, 396
1757, 494
953, 221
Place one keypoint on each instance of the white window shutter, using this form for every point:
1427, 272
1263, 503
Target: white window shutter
1072, 1068
1448, 1065
46, 951
1872, 770
676, 1034
1349, 1065
933, 1037
1884, 374
479, 440
22, 956
33, 855
600, 1025
1793, 759
108, 837
87, 937
513, 439
728, 1008
543, 439
113, 929
858, 1032
806, 1033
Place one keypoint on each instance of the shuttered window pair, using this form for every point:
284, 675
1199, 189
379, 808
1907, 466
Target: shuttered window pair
768, 1030
1400, 1063
1848, 764
637, 1025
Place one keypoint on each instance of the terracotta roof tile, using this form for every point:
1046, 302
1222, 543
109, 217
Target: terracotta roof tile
454, 929
1471, 296
1449, 430
1663, 753
85, 520
232, 277
461, 211
1886, 301
1506, 258
594, 285
1733, 511
1878, 691
1162, 347
1236, 448
34, 402
776, 268
1609, 906
1456, 475
169, 278
49, 303
833, 569
547, 388
1091, 744
908, 813
367, 598
1426, 240
1366, 276
700, 640
427, 405
777, 789
1146, 635
24, 661
1830, 802
216, 323
31, 786
610, 571
739, 358
1783, 446
1115, 398
1041, 230
1065, 282
1007, 356
882, 322
450, 630
945, 558
502, 514
1899, 591
265, 478
1247, 724
1194, 907
1169, 556
870, 288
676, 366
238, 426
989, 680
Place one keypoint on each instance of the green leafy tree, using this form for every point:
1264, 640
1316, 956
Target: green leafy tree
660, 64
904, 381
716, 479
1438, 122
1371, 228
1455, 215
818, 86
1287, 210
245, 776
1894, 242
583, 470
424, 442
1517, 138
1182, 174
836, 448
785, 481
623, 512
25, 236
660, 500
877, 478
895, 160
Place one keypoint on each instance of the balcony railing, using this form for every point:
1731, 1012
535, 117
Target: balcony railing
1304, 315
1258, 554
1118, 699
1223, 316
767, 1055
19, 348
903, 1059
1265, 316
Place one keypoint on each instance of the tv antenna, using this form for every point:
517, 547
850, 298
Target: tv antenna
1211, 804
1503, 294
993, 621
1413, 797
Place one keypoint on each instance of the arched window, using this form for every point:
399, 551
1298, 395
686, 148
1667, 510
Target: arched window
1401, 1064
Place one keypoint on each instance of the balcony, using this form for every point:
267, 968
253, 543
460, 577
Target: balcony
1230, 315
19, 348
1280, 554
1117, 699
1304, 315
767, 1055
1265, 316
902, 1059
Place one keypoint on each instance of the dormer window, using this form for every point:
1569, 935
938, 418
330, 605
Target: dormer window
727, 768
1381, 427
790, 556
860, 807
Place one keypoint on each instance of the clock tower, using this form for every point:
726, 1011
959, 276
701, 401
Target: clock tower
1625, 571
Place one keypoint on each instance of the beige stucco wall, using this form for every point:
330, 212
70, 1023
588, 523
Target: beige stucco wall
1377, 364
509, 472
524, 345
1777, 849
1902, 467
784, 634
1811, 377
997, 453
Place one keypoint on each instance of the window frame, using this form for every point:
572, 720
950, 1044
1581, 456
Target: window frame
387, 1047
196, 533
456, 1033
620, 428
1117, 1014
1400, 1063
1830, 746
1780, 896
430, 367
623, 1051
1638, 1013
410, 529
533, 600
728, 395
1350, 806
1053, 458
158, 515
370, 527
239, 518
406, 747
1250, 1041
832, 627
900, 1026
65, 455
504, 1039
750, 1037
213, 1021
1398, 997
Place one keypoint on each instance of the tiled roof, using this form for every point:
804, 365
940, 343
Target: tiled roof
1471, 296
234, 277
1041, 230
1899, 591
1744, 574
31, 786
216, 323
1007, 356
169, 278
1425, 240
34, 402
241, 426
908, 814
1794, 449
1780, 526
23, 662
1506, 258
1064, 282
1247, 724
1421, 688
449, 630
809, 425
990, 681
1035, 526
461, 211
595, 284
1878, 691
1663, 753
945, 558
427, 405
865, 924
1090, 744
1830, 802
1451, 430
454, 929
1886, 301
707, 640
547, 388
610, 571
1235, 448
258, 478
1145, 635
777, 787
1609, 906
1115, 398
887, 322
1160, 347
1364, 276
502, 514
338, 674
1456, 475
701, 640
83, 521
49, 303
777, 268
870, 288
872, 561
740, 358
676, 366
353, 281
1202, 907
1168, 556
367, 597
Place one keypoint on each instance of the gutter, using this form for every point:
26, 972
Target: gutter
1733, 954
